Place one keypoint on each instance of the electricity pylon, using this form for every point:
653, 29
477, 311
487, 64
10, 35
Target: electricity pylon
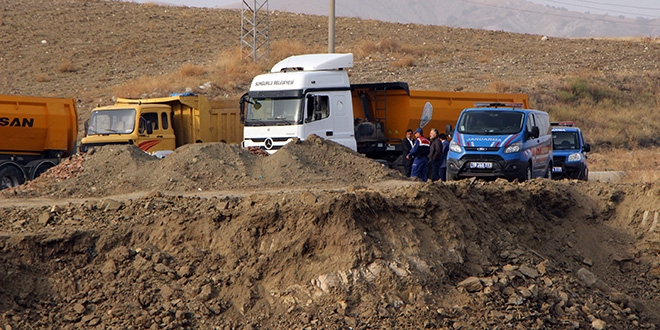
255, 30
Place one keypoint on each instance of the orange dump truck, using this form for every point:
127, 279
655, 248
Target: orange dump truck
35, 134
384, 111
159, 125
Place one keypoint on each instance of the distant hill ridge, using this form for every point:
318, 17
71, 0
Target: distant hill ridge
517, 16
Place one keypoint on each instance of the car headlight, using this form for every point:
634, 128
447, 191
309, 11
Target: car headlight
453, 146
576, 157
515, 147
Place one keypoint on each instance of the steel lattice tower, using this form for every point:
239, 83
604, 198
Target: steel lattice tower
255, 30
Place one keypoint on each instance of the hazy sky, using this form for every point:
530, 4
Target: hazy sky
630, 8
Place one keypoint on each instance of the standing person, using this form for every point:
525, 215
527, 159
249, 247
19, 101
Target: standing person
418, 154
407, 144
435, 154
443, 157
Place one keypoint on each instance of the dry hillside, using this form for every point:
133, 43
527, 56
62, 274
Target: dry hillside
96, 50
317, 236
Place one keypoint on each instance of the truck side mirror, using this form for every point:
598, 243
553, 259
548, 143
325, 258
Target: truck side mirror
241, 106
587, 147
144, 126
449, 130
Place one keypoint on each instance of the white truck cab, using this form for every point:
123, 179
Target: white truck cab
302, 95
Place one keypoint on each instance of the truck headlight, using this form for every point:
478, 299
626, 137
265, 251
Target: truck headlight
576, 157
515, 147
453, 146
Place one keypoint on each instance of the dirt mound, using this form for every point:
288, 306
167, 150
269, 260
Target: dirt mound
410, 257
317, 161
113, 170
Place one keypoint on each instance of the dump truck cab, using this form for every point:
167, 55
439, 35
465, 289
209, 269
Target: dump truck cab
146, 125
159, 125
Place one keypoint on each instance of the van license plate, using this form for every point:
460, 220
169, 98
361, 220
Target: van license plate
481, 165
556, 169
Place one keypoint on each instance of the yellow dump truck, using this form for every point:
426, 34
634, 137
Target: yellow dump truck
159, 125
35, 134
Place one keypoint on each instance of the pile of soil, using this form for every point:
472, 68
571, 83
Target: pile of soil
113, 170
317, 236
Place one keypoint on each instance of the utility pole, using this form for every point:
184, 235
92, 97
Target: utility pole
255, 30
331, 28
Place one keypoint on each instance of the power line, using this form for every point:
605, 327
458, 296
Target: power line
607, 9
613, 5
558, 15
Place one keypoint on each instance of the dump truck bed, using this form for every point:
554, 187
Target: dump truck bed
31, 125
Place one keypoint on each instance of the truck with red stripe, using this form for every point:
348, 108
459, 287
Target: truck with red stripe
159, 125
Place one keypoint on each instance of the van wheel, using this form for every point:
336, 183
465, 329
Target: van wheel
10, 176
451, 177
548, 172
585, 175
527, 174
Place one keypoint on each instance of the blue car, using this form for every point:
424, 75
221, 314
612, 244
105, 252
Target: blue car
501, 141
570, 152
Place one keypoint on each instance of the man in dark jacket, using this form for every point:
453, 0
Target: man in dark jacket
435, 155
419, 154
406, 145
443, 157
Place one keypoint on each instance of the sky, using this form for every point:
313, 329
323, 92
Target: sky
649, 9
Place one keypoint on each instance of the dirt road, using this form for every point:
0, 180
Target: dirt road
293, 240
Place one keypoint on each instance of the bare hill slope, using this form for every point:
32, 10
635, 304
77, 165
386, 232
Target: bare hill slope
85, 49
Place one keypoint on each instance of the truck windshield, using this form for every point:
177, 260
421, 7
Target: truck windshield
270, 111
118, 121
491, 122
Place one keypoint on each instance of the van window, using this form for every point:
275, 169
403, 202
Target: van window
544, 124
530, 123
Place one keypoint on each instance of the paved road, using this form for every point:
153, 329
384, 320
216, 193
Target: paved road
606, 176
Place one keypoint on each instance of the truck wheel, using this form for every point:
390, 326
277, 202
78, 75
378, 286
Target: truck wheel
40, 169
10, 176
585, 175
